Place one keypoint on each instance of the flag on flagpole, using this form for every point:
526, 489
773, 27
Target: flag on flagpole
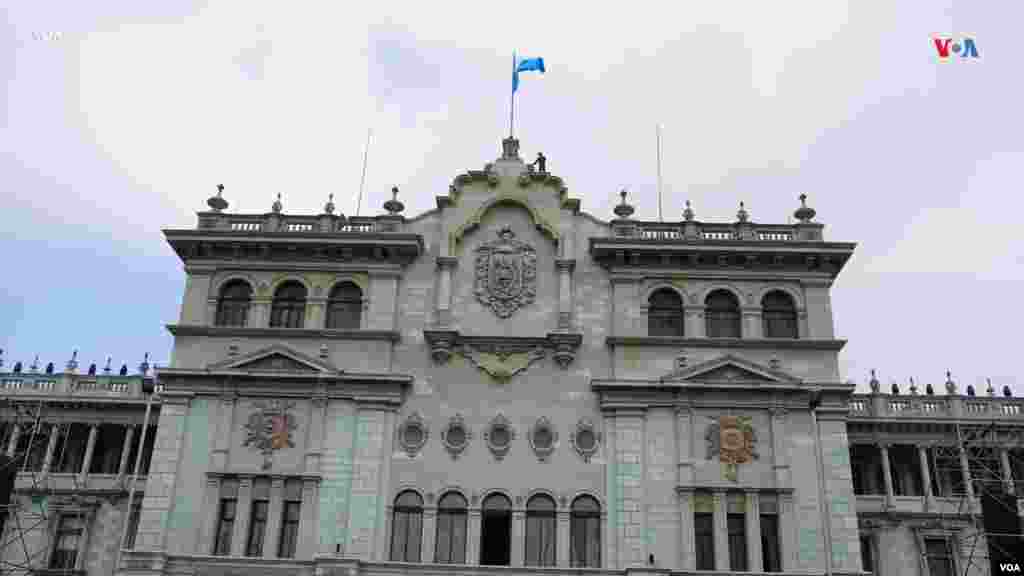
525, 65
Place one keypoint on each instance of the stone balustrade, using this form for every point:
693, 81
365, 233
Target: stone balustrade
702, 231
287, 223
961, 407
71, 385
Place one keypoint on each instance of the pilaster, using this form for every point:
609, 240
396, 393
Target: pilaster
90, 447
126, 449
308, 518
687, 543
445, 267
752, 327
160, 484
51, 448
517, 537
887, 476
243, 511
926, 478
753, 520
562, 559
473, 535
684, 436
780, 461
429, 532
565, 304
721, 531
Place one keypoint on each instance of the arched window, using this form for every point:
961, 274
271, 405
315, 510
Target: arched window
233, 303
585, 533
451, 529
540, 531
779, 315
665, 314
496, 531
344, 307
407, 527
289, 306
722, 315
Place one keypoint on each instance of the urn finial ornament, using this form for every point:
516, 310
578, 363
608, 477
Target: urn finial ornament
688, 212
329, 207
218, 203
623, 210
990, 390
875, 386
804, 214
277, 206
950, 385
393, 206
742, 215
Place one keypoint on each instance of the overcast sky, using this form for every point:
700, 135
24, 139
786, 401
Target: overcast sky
121, 117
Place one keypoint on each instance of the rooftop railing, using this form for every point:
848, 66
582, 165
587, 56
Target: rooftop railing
71, 385
274, 222
697, 231
961, 407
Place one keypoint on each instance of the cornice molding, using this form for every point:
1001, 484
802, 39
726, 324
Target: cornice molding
278, 333
742, 343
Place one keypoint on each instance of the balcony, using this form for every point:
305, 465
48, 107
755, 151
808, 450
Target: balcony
929, 407
299, 223
700, 231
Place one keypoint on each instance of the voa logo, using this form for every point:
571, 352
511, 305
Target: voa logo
1008, 568
947, 46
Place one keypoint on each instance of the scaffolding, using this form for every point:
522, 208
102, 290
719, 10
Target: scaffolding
976, 443
29, 419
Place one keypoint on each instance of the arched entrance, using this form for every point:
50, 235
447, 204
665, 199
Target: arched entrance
495, 531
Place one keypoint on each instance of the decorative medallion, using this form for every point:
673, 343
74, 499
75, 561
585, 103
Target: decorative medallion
501, 365
734, 439
413, 434
456, 436
270, 428
543, 438
499, 436
585, 439
506, 273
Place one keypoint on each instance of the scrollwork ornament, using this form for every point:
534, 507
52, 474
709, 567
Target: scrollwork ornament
456, 436
585, 439
413, 434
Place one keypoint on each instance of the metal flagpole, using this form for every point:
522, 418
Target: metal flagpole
362, 179
512, 107
657, 131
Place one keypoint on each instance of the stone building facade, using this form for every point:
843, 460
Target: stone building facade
509, 383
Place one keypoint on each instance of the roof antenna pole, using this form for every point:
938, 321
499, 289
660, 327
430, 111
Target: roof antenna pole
362, 179
657, 131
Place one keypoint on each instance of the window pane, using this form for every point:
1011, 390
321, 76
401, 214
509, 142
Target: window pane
704, 540
737, 542
867, 558
225, 525
771, 556
540, 538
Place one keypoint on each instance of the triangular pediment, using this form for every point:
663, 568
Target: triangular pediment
277, 358
730, 368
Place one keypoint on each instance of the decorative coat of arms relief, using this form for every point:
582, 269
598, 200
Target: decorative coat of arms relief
506, 274
270, 428
734, 440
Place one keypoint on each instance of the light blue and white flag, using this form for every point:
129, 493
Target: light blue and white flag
524, 65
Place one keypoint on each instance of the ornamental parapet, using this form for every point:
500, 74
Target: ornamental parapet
61, 386
952, 407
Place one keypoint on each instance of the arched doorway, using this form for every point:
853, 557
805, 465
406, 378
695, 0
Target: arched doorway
495, 531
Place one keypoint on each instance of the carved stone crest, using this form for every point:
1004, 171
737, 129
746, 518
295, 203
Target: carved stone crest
506, 274
734, 440
270, 428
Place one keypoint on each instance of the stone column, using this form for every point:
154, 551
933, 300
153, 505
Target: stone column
611, 525
243, 510
751, 322
789, 527
308, 519
1004, 459
926, 479
565, 269
160, 485
887, 475
429, 530
562, 527
965, 470
126, 450
90, 446
316, 313
12, 445
473, 535
445, 265
273, 528
694, 318
259, 313
387, 441
315, 442
51, 449
516, 537
753, 518
780, 461
684, 437
223, 426
721, 531
687, 544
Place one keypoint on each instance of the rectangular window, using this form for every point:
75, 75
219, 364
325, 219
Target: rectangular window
867, 553
736, 522
133, 525
226, 516
65, 549
70, 449
290, 519
940, 557
771, 554
258, 517
703, 531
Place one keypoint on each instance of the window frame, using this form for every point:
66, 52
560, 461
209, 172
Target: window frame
449, 518
288, 533
230, 307
779, 320
408, 514
543, 521
225, 526
343, 307
923, 537
718, 317
666, 319
289, 311
256, 539
582, 522
59, 556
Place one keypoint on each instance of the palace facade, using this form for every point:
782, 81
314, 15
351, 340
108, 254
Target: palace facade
507, 383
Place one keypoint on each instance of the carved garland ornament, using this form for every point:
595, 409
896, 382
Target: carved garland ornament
456, 436
270, 428
543, 438
734, 440
506, 274
413, 434
499, 436
585, 439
